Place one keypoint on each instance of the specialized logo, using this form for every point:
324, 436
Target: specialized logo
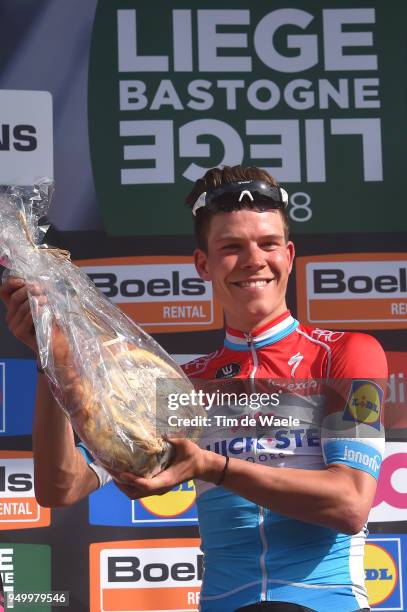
395, 413
228, 371
162, 294
109, 506
26, 137
364, 403
16, 400
26, 568
353, 290
382, 563
18, 507
390, 503
156, 575
326, 335
295, 361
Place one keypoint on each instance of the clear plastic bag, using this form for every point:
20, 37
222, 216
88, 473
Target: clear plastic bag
103, 368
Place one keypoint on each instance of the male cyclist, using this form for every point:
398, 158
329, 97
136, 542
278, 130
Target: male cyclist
282, 519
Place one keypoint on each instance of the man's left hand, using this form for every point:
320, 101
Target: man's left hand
189, 462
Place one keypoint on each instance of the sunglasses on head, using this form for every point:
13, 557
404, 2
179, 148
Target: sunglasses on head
229, 196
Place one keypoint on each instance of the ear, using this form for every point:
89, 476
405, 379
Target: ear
201, 264
290, 254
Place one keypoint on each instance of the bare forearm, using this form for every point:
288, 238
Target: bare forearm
326, 497
62, 476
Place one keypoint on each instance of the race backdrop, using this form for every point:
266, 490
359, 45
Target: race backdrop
125, 104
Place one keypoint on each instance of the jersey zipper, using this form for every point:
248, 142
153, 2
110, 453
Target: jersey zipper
262, 532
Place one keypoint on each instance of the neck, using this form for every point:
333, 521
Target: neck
250, 324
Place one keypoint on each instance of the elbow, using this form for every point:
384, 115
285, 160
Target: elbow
352, 518
54, 498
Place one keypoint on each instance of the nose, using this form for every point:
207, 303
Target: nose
252, 258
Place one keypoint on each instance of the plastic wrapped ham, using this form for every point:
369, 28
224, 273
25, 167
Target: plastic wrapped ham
102, 366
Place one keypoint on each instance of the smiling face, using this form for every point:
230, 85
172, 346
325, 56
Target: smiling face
248, 261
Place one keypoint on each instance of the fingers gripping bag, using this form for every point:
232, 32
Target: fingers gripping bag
102, 367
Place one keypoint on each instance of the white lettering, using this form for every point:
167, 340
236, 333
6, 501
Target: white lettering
161, 152
209, 41
189, 146
307, 44
288, 151
335, 40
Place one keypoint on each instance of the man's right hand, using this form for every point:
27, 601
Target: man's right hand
19, 318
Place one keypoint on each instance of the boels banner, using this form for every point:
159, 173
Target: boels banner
165, 575
353, 290
303, 89
163, 294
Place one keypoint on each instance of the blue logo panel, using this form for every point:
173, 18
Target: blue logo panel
18, 380
385, 571
109, 506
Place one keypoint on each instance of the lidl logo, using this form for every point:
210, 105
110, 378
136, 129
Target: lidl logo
18, 507
171, 504
383, 567
162, 294
109, 506
395, 413
26, 568
156, 575
353, 290
364, 403
17, 400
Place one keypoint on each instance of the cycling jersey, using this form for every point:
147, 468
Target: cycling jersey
253, 554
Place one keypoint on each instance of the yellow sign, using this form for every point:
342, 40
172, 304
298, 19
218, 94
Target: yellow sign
175, 502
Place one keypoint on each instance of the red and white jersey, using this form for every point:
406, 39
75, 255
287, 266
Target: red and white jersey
284, 348
251, 553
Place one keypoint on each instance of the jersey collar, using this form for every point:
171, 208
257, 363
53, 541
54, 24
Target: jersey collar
263, 336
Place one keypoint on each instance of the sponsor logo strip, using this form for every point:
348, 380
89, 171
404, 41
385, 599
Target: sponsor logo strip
26, 137
160, 575
384, 572
162, 294
18, 506
353, 290
109, 506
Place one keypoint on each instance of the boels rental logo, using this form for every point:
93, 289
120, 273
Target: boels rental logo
384, 571
353, 290
155, 575
109, 506
18, 507
162, 294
